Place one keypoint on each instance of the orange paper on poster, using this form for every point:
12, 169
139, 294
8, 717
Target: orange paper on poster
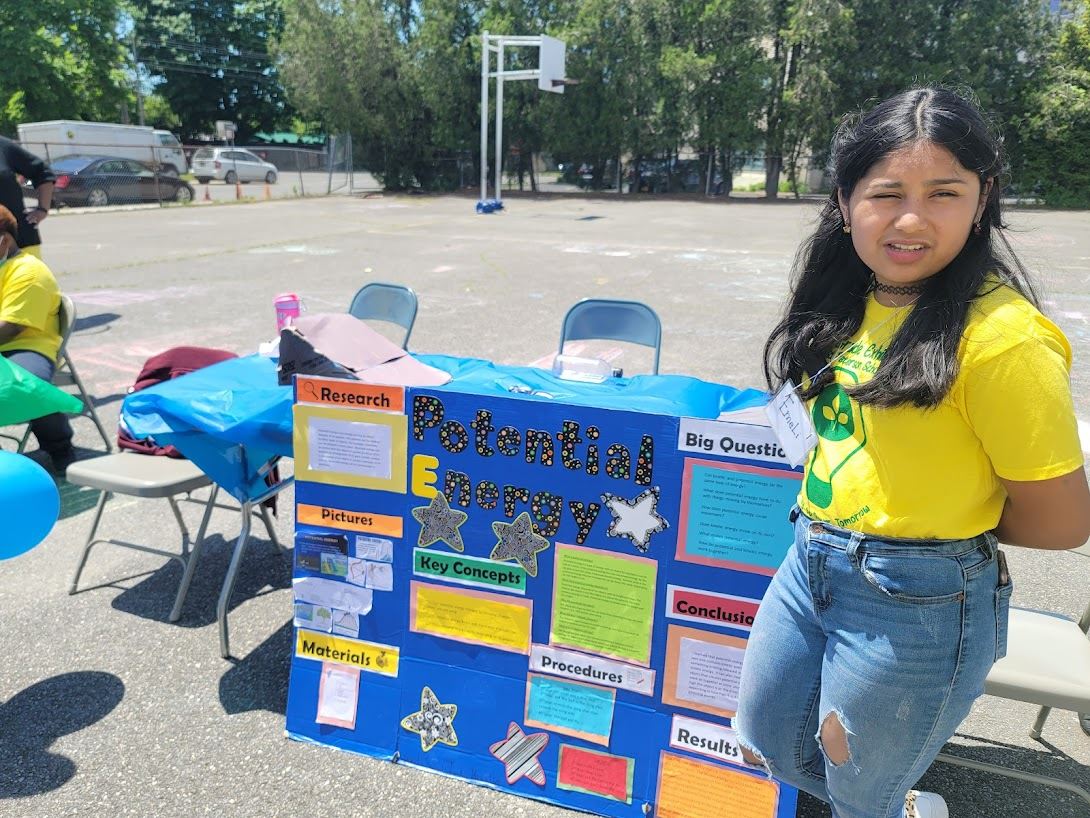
363, 521
346, 394
696, 789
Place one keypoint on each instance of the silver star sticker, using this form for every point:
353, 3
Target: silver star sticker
438, 521
433, 722
518, 542
637, 519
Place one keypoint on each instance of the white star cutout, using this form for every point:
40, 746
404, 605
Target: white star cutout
637, 519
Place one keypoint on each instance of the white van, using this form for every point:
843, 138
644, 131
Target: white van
64, 137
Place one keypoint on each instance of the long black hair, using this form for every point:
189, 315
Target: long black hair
830, 282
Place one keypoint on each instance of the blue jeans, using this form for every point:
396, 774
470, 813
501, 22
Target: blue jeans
892, 637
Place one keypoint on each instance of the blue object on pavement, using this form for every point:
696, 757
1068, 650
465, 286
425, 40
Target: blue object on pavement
29, 504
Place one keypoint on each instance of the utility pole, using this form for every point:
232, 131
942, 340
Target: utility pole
139, 84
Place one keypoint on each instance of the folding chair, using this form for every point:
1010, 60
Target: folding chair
612, 320
148, 476
1047, 663
386, 302
65, 373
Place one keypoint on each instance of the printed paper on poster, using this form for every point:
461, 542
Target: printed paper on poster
350, 447
689, 788
735, 516
583, 667
338, 695
710, 608
475, 617
595, 773
705, 738
702, 670
333, 593
603, 602
575, 709
369, 656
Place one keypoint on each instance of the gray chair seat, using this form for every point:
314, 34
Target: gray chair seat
1047, 662
138, 475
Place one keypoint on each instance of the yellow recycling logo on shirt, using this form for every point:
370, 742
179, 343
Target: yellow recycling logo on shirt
836, 420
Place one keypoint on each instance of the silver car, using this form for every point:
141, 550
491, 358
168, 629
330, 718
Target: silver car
231, 165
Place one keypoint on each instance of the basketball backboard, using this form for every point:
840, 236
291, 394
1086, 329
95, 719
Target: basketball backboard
551, 64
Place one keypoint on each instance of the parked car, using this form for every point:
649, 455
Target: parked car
96, 181
231, 165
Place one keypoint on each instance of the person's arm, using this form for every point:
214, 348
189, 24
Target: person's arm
1049, 514
1020, 408
45, 201
40, 175
9, 331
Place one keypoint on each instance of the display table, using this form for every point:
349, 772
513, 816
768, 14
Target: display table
234, 421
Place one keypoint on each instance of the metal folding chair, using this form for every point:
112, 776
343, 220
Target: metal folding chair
612, 320
148, 476
65, 374
386, 302
1047, 663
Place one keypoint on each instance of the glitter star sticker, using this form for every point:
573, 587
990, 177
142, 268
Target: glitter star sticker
433, 722
439, 522
518, 542
519, 753
638, 519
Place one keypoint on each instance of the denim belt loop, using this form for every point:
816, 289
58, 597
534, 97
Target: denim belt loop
855, 550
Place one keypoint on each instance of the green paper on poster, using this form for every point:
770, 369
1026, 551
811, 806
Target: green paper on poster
603, 602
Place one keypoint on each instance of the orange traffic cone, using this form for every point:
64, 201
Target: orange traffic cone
207, 195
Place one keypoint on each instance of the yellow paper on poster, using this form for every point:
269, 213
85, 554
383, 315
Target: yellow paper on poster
697, 789
367, 656
475, 617
359, 448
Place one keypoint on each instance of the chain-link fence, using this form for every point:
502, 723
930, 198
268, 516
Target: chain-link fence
99, 175
695, 173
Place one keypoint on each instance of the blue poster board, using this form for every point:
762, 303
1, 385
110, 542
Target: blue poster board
546, 598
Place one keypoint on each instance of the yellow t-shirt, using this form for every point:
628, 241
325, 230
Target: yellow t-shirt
934, 473
30, 297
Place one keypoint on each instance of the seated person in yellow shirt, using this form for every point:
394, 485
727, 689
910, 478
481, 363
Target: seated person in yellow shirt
30, 331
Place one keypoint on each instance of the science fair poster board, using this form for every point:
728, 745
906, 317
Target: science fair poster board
547, 599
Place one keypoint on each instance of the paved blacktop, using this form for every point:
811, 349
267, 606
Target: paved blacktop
106, 709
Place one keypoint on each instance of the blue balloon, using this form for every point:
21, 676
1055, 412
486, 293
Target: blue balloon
29, 504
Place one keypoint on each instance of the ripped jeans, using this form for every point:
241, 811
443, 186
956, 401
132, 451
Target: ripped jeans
891, 637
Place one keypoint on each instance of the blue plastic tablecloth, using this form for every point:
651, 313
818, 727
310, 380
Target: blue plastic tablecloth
232, 417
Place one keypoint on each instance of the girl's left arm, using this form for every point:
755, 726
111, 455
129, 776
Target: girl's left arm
1052, 514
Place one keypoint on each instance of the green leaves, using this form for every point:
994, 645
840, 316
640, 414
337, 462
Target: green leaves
62, 60
833, 415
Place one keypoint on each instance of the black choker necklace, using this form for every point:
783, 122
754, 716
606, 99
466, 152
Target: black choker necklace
911, 289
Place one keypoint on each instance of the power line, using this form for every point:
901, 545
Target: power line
201, 48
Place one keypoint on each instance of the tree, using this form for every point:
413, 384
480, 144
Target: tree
62, 60
345, 62
159, 114
720, 71
214, 57
1057, 147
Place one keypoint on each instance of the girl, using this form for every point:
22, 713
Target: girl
940, 397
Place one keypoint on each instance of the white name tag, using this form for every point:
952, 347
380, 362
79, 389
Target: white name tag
791, 423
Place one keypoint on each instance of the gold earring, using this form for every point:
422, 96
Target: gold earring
847, 228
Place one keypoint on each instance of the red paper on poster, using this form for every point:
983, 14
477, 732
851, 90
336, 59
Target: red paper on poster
599, 773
